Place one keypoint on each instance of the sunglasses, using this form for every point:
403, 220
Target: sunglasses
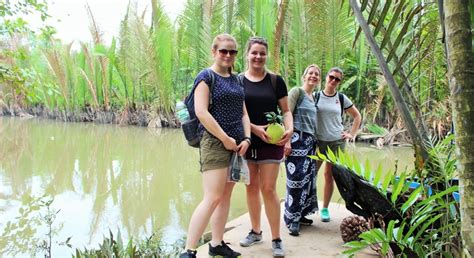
337, 79
231, 52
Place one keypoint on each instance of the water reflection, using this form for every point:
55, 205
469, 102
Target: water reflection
108, 177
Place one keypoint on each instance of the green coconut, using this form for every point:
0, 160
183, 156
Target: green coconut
275, 129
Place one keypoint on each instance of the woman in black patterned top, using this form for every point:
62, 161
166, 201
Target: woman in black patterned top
226, 129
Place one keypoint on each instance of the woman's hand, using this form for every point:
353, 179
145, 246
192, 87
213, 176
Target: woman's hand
348, 137
243, 146
259, 130
287, 148
230, 144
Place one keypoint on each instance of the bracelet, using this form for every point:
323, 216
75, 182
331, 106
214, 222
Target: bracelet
248, 139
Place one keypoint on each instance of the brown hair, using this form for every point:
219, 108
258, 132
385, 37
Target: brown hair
256, 40
252, 41
336, 69
223, 37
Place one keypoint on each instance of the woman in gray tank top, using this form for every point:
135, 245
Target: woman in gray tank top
330, 130
301, 199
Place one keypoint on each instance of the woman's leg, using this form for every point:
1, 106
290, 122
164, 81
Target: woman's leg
220, 215
253, 197
214, 184
328, 184
268, 178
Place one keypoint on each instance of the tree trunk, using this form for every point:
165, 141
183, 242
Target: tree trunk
421, 153
278, 35
461, 81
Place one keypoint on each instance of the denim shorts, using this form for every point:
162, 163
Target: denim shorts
213, 154
334, 146
265, 154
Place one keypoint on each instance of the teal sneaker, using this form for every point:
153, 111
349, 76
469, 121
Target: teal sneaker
325, 215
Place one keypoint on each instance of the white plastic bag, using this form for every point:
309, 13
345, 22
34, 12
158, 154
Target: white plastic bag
238, 170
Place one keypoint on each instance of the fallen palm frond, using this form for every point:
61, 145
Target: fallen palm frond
419, 216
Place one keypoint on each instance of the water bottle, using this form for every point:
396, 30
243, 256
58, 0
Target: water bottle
182, 112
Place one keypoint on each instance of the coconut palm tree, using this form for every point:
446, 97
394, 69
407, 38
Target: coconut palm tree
461, 79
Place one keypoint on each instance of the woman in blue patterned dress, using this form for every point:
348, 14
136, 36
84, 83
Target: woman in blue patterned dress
301, 199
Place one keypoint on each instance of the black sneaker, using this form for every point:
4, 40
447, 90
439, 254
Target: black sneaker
306, 222
294, 228
223, 250
188, 254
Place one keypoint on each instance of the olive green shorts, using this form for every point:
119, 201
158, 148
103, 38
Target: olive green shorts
213, 154
334, 146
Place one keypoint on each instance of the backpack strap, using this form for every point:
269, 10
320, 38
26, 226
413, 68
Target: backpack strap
317, 95
273, 78
301, 96
341, 101
300, 99
240, 79
211, 87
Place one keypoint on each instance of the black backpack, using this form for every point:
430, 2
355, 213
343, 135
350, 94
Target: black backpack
191, 127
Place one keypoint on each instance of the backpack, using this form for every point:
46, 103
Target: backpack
341, 101
300, 99
273, 79
191, 127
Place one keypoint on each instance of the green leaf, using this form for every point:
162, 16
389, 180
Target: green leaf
411, 199
331, 156
369, 237
373, 11
426, 225
355, 244
364, 5
386, 182
391, 225
384, 248
403, 32
357, 168
100, 50
368, 173
393, 22
382, 16
378, 174
430, 199
322, 156
398, 186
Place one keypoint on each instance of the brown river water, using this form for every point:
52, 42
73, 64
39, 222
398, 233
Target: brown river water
102, 177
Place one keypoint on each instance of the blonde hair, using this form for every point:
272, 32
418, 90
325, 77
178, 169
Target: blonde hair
307, 70
224, 37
